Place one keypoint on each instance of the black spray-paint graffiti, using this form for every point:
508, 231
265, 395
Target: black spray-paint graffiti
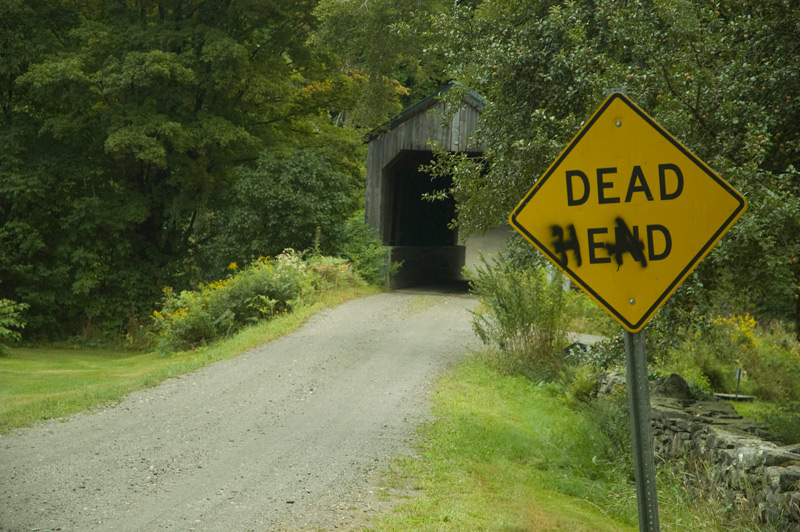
561, 246
626, 240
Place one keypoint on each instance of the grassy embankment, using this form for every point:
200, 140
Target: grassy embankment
47, 383
508, 455
505, 455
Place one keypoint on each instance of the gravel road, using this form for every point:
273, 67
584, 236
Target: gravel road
286, 437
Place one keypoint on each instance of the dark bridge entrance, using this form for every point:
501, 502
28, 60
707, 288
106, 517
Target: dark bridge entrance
417, 229
416, 221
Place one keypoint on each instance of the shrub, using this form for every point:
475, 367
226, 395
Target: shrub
262, 290
522, 314
722, 344
332, 272
10, 321
286, 199
611, 416
603, 355
579, 383
363, 247
783, 421
589, 317
773, 364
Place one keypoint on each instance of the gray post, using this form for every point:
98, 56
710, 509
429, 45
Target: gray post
623, 90
643, 460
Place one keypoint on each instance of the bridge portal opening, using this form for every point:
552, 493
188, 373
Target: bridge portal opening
416, 221
418, 231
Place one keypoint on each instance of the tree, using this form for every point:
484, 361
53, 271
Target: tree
721, 77
123, 124
383, 46
301, 197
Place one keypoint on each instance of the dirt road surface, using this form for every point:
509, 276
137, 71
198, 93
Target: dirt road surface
286, 437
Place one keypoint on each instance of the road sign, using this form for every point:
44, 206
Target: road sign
627, 212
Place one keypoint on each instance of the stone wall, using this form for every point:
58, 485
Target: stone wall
712, 437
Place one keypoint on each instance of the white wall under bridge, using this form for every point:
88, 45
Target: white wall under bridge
488, 244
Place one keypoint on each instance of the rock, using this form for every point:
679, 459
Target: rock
749, 457
610, 383
576, 349
794, 506
713, 411
782, 479
673, 387
795, 448
780, 457
737, 459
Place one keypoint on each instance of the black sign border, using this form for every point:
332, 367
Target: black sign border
742, 205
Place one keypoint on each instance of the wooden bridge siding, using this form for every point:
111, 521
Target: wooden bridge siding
413, 134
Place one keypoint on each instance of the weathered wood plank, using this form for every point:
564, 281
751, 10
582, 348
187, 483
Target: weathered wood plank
413, 130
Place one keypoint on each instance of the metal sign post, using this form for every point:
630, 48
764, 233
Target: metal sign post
642, 438
627, 212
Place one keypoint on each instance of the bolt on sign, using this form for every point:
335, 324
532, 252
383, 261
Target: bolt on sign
627, 212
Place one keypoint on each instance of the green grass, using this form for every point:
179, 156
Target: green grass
45, 383
504, 455
752, 409
507, 455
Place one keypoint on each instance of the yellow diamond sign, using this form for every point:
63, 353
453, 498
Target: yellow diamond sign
627, 212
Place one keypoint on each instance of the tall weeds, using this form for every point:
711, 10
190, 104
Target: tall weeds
522, 315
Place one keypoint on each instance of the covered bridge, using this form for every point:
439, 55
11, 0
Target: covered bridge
417, 230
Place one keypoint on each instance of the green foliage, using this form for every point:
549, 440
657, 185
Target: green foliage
710, 358
579, 383
261, 291
10, 323
783, 419
694, 499
590, 318
611, 416
603, 355
383, 46
722, 78
126, 127
522, 314
301, 197
364, 248
330, 273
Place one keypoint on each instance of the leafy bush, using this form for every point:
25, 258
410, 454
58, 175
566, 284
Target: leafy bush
603, 355
10, 319
332, 272
522, 313
589, 317
287, 199
364, 248
262, 290
579, 383
611, 416
784, 421
721, 344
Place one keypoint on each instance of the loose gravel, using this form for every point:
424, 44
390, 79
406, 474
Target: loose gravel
289, 436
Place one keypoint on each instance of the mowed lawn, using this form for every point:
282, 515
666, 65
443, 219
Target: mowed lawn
46, 383
37, 384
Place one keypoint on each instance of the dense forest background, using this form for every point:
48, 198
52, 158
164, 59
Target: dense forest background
150, 143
